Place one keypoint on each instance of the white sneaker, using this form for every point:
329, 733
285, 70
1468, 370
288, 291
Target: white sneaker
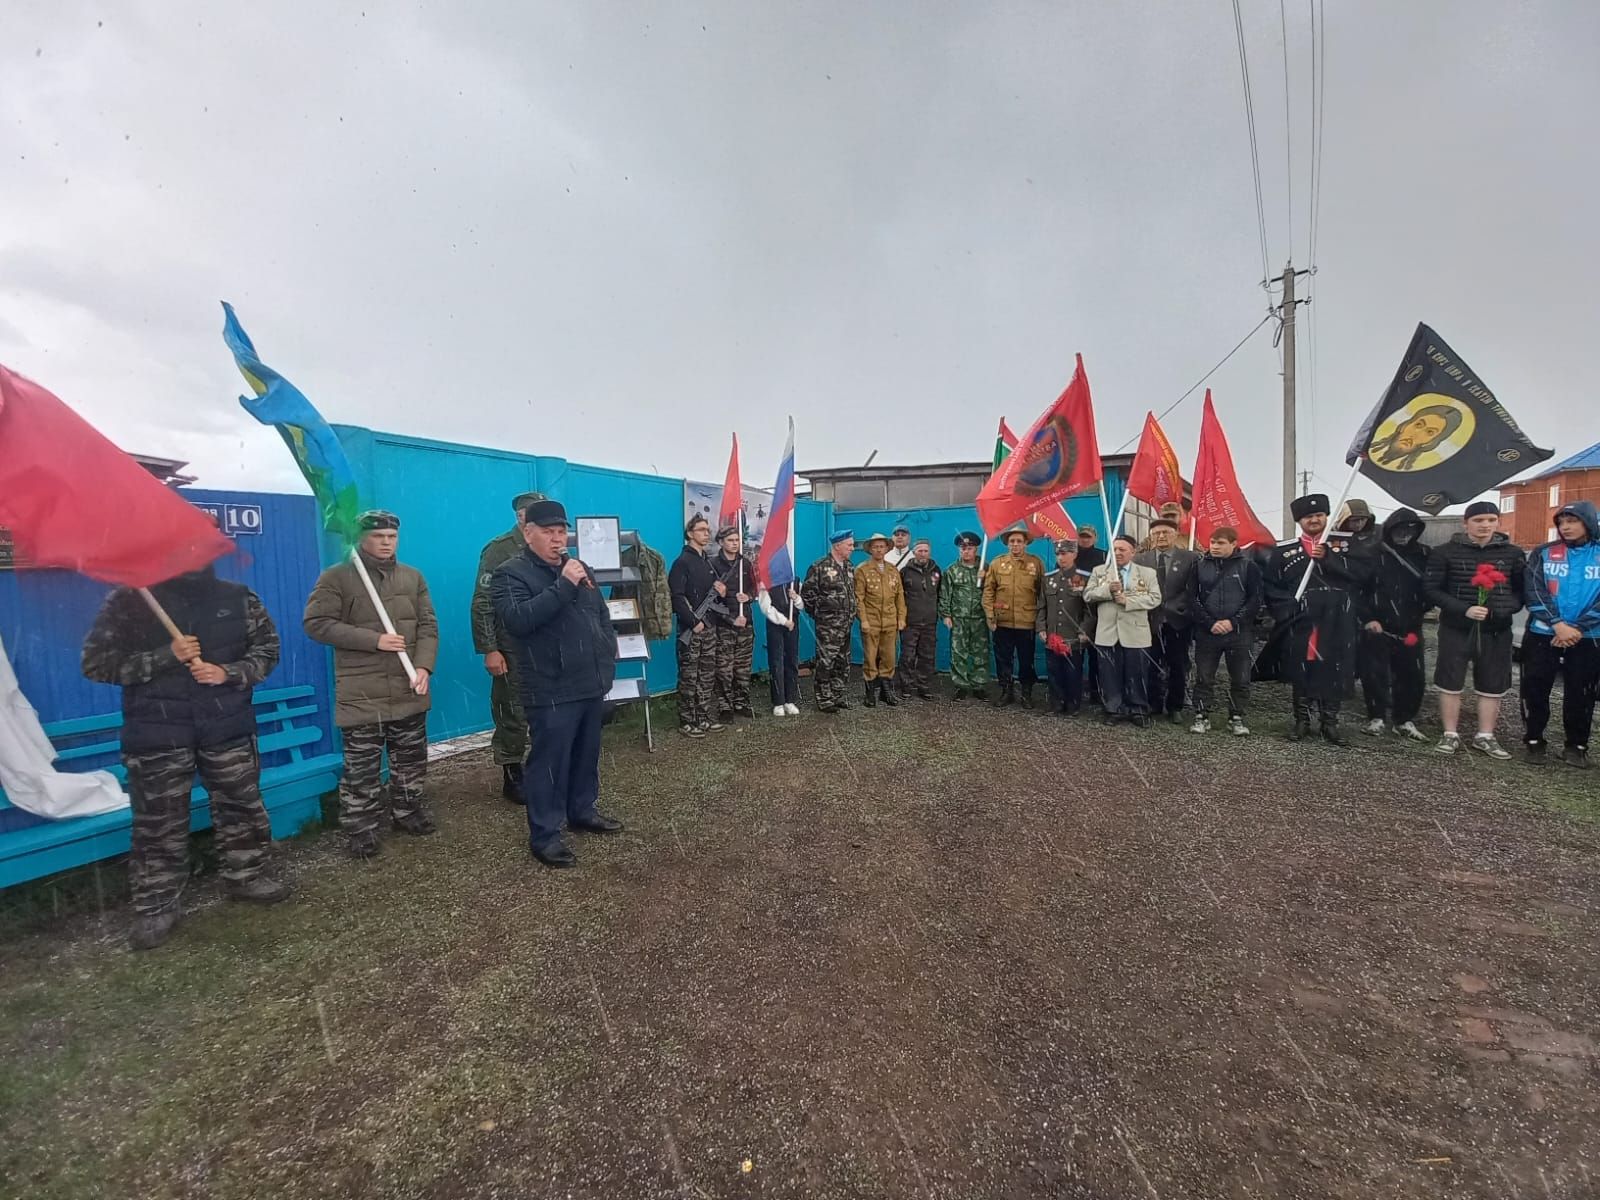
779, 710
1449, 743
1374, 727
1410, 730
1237, 727
792, 710
1484, 743
1201, 725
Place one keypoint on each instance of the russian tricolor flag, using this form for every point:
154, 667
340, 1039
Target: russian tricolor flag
775, 563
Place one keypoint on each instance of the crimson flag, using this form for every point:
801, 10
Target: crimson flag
1154, 476
1218, 499
1053, 522
1058, 457
72, 499
732, 506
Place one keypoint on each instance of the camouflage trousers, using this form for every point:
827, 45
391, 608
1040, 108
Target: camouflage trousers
919, 645
159, 783
510, 741
969, 652
361, 793
697, 676
736, 648
832, 663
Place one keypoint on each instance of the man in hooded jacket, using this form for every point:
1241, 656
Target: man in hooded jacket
1563, 634
1389, 657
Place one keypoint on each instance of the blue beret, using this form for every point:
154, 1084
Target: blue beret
840, 535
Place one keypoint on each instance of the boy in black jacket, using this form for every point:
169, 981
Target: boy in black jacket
1390, 657
1224, 594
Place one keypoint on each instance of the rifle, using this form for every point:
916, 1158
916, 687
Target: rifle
711, 604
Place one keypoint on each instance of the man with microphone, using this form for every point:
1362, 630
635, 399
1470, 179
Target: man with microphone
566, 653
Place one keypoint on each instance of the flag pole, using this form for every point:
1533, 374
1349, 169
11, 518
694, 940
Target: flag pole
167, 622
1328, 528
383, 613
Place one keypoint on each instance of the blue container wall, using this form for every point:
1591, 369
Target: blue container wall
45, 615
452, 499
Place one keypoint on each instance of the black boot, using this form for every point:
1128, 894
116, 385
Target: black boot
1007, 696
1330, 727
1027, 695
886, 693
869, 697
1302, 720
511, 782
960, 694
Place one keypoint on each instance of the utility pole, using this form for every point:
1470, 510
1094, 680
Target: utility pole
1289, 444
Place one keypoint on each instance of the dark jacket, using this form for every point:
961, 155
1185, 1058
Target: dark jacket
1564, 580
565, 644
1091, 558
921, 586
1224, 589
1063, 611
1174, 581
1398, 598
689, 581
163, 708
728, 571
1449, 580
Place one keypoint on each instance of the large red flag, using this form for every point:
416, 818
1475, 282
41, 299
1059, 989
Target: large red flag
1058, 457
72, 499
1052, 522
732, 505
1154, 476
1218, 499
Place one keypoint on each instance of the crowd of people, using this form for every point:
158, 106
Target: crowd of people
1141, 633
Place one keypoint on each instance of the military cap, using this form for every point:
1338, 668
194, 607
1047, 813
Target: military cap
901, 528
520, 504
968, 538
1083, 529
544, 513
840, 535
1019, 527
877, 537
1304, 506
377, 518
1066, 546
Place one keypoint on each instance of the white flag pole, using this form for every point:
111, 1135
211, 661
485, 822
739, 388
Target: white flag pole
383, 613
1328, 528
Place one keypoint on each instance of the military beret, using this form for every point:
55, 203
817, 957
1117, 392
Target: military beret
544, 513
377, 518
841, 535
727, 531
520, 504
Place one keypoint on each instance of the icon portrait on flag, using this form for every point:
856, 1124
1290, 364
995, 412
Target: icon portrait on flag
1422, 434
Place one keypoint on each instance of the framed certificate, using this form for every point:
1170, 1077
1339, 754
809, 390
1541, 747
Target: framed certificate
632, 646
600, 543
626, 609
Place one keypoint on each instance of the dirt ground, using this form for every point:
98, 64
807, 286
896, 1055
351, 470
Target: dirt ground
941, 951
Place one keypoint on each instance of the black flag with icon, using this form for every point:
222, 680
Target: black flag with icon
1439, 437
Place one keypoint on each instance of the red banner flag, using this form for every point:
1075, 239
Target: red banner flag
1218, 499
1058, 457
1053, 521
732, 505
1154, 476
72, 499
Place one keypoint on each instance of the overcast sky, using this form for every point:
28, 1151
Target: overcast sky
615, 232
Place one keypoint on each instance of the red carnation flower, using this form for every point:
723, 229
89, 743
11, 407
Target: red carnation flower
1056, 644
1411, 639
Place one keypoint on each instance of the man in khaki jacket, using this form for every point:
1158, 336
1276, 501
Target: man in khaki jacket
881, 605
376, 706
1124, 594
1011, 592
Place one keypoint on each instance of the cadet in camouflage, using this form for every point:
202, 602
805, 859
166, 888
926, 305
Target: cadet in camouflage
828, 593
961, 609
510, 742
736, 636
187, 708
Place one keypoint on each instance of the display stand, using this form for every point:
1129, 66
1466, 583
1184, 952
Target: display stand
624, 600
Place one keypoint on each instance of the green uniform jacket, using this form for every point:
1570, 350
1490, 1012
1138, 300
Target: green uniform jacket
961, 592
487, 632
370, 684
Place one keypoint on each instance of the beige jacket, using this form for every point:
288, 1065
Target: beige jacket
1125, 622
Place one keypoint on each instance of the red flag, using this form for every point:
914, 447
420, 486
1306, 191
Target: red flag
732, 506
1058, 457
72, 499
1218, 499
1053, 521
1154, 476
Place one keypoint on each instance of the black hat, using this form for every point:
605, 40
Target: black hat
377, 518
520, 504
1305, 506
1163, 523
1481, 508
968, 538
544, 513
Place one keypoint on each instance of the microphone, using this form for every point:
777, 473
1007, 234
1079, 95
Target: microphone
565, 559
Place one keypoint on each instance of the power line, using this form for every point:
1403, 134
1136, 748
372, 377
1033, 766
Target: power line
1255, 152
1319, 107
1162, 414
1288, 128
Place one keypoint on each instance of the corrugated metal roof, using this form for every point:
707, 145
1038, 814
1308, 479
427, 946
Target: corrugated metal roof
1584, 460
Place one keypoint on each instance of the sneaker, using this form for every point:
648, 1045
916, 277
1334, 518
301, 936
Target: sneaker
712, 726
1485, 744
1237, 727
1449, 743
1410, 730
1201, 725
779, 710
791, 710
1374, 727
1576, 756
693, 731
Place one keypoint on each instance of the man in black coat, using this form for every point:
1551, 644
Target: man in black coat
1315, 635
1169, 624
1224, 594
1390, 658
566, 661
693, 585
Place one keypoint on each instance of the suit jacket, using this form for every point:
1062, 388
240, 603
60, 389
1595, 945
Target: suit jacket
1124, 624
1174, 610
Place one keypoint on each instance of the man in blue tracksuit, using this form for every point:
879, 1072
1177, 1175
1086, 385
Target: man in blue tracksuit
1563, 633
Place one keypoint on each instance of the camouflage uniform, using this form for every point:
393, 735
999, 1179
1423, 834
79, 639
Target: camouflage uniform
829, 595
510, 742
361, 793
129, 648
735, 644
961, 601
